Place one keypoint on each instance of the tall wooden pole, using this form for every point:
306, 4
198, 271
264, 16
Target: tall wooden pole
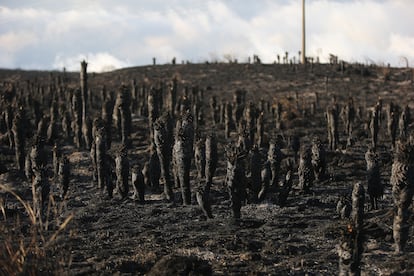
84, 88
84, 93
303, 34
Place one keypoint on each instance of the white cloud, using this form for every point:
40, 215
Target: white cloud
129, 32
15, 41
97, 62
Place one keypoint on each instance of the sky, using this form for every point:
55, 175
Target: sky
109, 34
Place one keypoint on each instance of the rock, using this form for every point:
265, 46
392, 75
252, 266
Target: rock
180, 265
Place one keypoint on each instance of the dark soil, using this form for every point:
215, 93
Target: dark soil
109, 236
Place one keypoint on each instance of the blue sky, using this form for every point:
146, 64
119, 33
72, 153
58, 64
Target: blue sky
49, 34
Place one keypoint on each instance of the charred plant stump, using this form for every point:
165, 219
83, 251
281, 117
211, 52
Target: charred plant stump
198, 115
222, 112
64, 175
265, 177
305, 170
211, 158
107, 113
37, 112
244, 143
109, 174
260, 130
255, 174
122, 114
138, 184
358, 201
154, 170
374, 127
392, 122
143, 101
348, 116
375, 186
176, 178
134, 96
184, 103
172, 96
100, 152
84, 87
66, 126
153, 110
42, 127
103, 94
92, 155
295, 146
97, 125
203, 198
38, 156
28, 168
214, 110
163, 139
332, 123
350, 251
18, 130
117, 115
122, 172
318, 159
56, 155
286, 185
183, 151
146, 174
239, 99
200, 157
344, 206
236, 180
278, 115
77, 117
228, 120
378, 108
87, 137
275, 157
350, 248
404, 122
52, 130
87, 132
402, 181
250, 116
8, 113
40, 192
40, 183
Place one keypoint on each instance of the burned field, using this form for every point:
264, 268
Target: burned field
225, 169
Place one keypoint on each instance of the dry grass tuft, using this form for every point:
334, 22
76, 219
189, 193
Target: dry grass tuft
26, 244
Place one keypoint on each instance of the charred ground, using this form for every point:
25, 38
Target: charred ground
122, 236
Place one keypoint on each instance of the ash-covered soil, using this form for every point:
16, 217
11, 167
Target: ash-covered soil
109, 236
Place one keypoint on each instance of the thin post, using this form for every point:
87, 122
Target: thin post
303, 34
84, 88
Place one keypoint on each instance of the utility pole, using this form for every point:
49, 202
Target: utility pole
303, 34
